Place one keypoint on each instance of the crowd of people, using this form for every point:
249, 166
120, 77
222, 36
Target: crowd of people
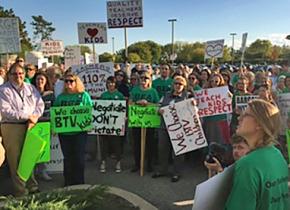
249, 135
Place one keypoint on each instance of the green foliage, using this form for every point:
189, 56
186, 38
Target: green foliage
134, 58
42, 29
106, 57
85, 49
258, 51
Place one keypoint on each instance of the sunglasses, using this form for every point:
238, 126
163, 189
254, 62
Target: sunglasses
145, 78
121, 75
215, 81
178, 83
165, 68
20, 61
17, 73
69, 81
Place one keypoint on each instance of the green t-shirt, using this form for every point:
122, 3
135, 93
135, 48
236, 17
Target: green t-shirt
286, 90
162, 85
76, 99
150, 95
116, 95
260, 182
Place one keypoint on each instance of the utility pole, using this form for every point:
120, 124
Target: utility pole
172, 39
233, 45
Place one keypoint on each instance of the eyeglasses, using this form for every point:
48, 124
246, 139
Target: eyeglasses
145, 78
215, 81
17, 73
20, 61
192, 78
69, 81
30, 69
178, 83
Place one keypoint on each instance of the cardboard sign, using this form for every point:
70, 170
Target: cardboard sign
284, 106
242, 101
144, 116
109, 117
214, 49
184, 127
52, 47
90, 33
72, 56
55, 165
71, 118
94, 77
213, 101
126, 13
9, 35
32, 150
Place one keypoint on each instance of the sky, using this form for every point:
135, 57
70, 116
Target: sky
197, 20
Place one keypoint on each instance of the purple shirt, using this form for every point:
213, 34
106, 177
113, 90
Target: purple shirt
17, 104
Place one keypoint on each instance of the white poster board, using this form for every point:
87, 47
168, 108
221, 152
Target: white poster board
33, 57
89, 58
94, 77
9, 35
244, 42
72, 56
126, 13
52, 47
90, 33
184, 127
284, 106
242, 101
109, 117
213, 101
214, 49
55, 165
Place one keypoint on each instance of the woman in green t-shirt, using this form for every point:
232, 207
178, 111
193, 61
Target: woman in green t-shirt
261, 177
73, 144
144, 95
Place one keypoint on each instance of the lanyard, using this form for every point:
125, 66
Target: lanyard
18, 93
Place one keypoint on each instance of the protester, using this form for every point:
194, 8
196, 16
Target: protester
287, 84
20, 61
166, 152
143, 95
260, 177
55, 76
122, 83
163, 84
30, 72
134, 81
73, 144
43, 85
193, 84
21, 106
204, 77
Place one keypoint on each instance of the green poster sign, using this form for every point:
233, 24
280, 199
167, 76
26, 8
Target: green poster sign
288, 142
71, 119
42, 129
144, 116
32, 150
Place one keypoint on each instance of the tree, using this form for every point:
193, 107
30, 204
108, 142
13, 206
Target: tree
24, 39
258, 51
42, 28
134, 58
106, 57
275, 53
85, 49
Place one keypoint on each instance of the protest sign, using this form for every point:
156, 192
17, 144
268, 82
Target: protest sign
94, 77
184, 127
89, 58
32, 150
213, 193
214, 49
244, 42
33, 57
55, 165
52, 47
126, 13
288, 142
284, 106
9, 35
109, 117
242, 101
144, 116
72, 56
90, 33
213, 101
71, 118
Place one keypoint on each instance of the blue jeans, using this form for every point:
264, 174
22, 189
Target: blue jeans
73, 149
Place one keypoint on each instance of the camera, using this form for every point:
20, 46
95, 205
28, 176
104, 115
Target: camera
217, 151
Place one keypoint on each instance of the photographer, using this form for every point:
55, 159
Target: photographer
215, 163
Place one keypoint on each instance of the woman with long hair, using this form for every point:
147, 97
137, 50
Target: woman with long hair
260, 177
73, 144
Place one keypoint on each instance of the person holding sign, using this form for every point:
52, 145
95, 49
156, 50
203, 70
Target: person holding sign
114, 142
261, 177
73, 144
21, 106
177, 94
143, 95
163, 84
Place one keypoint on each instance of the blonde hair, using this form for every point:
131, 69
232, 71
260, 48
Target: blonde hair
181, 79
268, 117
80, 88
148, 75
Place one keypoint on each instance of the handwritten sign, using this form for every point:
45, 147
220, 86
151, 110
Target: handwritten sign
214, 49
90, 33
284, 106
109, 117
213, 101
52, 47
184, 127
144, 116
9, 35
94, 77
72, 56
242, 101
71, 118
55, 165
126, 13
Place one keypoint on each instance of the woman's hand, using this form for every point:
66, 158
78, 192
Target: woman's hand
142, 102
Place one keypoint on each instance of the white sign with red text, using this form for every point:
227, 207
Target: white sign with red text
52, 47
92, 33
184, 127
213, 101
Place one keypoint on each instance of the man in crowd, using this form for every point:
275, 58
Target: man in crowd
163, 84
21, 106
